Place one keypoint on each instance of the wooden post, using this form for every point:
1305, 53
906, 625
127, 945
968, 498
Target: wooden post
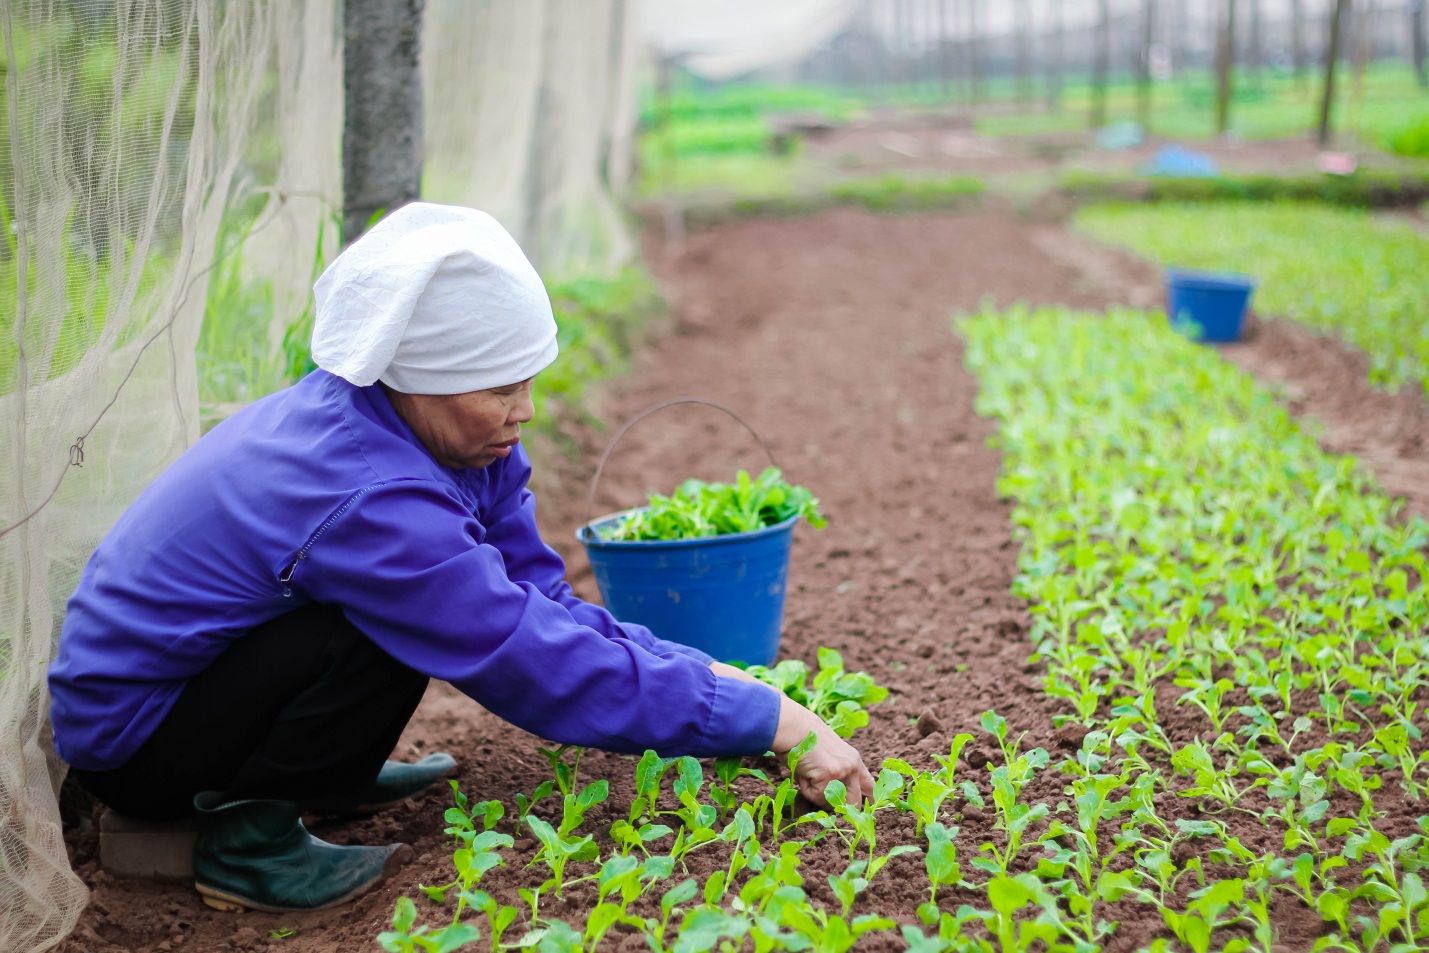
1364, 47
974, 56
1416, 41
1056, 50
382, 111
1297, 41
945, 73
1180, 34
1022, 48
1148, 33
1332, 56
1256, 54
1225, 65
1097, 117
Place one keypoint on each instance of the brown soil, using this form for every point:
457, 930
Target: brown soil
831, 336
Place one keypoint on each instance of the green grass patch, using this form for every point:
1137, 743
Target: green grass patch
896, 193
1367, 188
1335, 270
1275, 106
598, 321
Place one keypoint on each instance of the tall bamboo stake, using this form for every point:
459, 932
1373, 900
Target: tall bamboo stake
1332, 56
1225, 66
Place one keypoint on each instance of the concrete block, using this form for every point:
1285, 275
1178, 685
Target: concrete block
135, 848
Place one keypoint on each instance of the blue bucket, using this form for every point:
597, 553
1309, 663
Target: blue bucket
1210, 303
723, 595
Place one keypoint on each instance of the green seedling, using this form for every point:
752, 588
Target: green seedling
557, 850
599, 920
499, 918
1393, 740
1010, 921
576, 806
740, 834
781, 803
1208, 782
670, 901
925, 799
779, 877
524, 804
727, 771
1204, 915
885, 790
699, 509
703, 928
1347, 767
1078, 851
1314, 885
565, 771
831, 934
629, 838
698, 819
649, 773
407, 936
1014, 818
839, 697
472, 861
941, 863
849, 884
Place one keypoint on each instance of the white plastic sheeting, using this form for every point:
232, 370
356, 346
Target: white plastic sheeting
530, 115
721, 39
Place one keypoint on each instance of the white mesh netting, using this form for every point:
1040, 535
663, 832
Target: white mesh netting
129, 156
119, 135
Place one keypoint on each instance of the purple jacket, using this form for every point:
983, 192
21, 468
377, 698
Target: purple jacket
320, 493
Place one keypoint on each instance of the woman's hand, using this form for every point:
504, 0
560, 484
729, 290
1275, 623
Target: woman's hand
831, 759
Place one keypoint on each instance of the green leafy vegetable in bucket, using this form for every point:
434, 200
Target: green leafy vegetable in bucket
698, 509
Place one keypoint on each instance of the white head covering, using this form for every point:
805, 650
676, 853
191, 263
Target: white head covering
434, 299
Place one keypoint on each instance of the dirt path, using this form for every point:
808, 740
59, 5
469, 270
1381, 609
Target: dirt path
831, 335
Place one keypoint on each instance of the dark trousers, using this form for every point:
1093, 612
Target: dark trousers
303, 708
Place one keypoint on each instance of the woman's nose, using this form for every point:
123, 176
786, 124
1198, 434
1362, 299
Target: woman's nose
524, 411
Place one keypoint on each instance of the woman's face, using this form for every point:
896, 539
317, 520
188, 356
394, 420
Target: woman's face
467, 430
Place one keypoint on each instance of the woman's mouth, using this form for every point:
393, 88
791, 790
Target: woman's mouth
504, 448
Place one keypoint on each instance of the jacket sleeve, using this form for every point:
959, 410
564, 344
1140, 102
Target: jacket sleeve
511, 528
414, 571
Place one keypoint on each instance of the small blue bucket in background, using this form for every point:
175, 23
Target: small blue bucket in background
723, 595
1211, 302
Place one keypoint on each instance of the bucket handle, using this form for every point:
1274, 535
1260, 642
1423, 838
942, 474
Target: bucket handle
600, 467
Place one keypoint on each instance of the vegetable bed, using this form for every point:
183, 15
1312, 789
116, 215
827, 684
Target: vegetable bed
1236, 622
1335, 270
1240, 621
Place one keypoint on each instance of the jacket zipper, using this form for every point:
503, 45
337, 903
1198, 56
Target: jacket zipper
287, 575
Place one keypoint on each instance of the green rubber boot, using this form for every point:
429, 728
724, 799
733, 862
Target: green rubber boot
256, 855
398, 781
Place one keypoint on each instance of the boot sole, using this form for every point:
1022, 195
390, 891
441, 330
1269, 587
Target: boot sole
232, 903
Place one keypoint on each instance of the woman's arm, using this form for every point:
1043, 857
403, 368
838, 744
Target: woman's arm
510, 522
407, 566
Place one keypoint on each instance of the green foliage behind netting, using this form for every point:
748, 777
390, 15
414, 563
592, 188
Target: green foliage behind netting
598, 320
1412, 139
